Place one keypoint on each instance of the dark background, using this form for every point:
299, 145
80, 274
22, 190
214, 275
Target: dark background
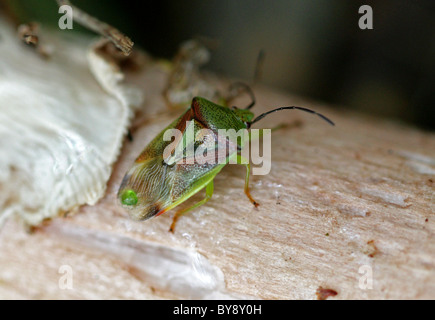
313, 48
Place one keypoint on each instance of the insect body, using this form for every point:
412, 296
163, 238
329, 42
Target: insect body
158, 182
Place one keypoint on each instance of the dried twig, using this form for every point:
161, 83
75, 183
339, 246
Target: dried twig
121, 41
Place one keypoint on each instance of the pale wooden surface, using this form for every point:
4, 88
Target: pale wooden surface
337, 199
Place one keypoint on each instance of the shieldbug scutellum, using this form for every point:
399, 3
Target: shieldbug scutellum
157, 183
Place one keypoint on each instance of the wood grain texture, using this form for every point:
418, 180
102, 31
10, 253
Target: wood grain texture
339, 202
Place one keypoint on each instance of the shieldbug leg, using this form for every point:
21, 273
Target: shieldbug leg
208, 191
245, 162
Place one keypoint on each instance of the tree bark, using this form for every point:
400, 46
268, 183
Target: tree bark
348, 208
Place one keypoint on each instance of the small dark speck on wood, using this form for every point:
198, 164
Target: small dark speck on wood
323, 293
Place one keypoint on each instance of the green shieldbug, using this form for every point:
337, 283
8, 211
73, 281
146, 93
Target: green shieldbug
157, 183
